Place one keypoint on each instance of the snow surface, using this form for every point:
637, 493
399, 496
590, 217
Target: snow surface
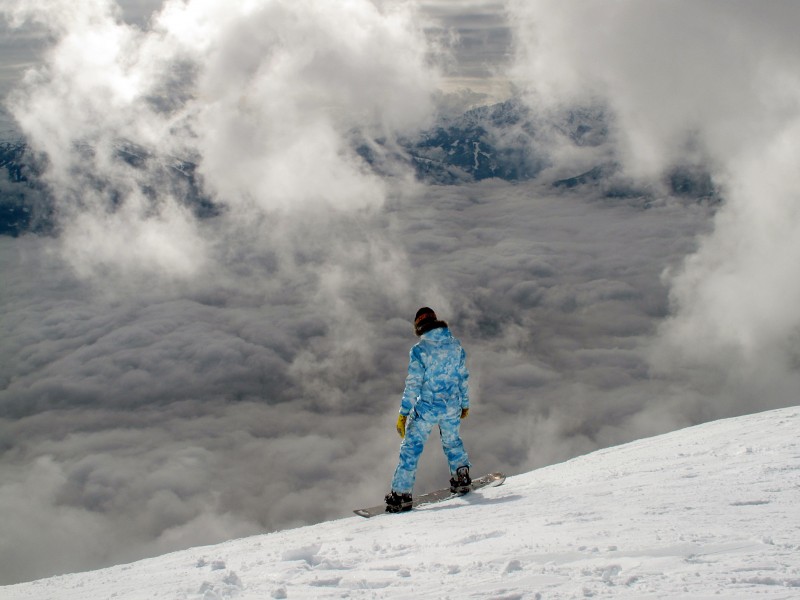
712, 511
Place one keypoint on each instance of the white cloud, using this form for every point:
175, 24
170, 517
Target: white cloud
698, 82
269, 99
175, 415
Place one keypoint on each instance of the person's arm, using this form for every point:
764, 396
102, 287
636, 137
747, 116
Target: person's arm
463, 373
416, 372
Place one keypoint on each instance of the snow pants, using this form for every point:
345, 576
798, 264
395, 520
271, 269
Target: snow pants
418, 428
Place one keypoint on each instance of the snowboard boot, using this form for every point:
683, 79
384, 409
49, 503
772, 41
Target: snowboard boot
396, 503
460, 484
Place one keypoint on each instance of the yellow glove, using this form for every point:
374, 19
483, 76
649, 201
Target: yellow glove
464, 413
401, 425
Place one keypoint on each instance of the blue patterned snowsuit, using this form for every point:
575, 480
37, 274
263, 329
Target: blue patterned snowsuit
436, 391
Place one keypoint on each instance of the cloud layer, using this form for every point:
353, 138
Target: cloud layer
266, 99
690, 84
264, 398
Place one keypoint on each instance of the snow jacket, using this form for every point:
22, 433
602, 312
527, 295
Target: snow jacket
437, 374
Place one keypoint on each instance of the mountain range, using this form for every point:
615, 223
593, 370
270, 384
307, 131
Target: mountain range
506, 141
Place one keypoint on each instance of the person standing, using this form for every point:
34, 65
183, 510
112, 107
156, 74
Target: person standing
436, 393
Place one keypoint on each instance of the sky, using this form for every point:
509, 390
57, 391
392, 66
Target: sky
475, 32
168, 381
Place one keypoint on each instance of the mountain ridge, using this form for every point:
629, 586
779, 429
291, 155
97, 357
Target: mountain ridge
505, 141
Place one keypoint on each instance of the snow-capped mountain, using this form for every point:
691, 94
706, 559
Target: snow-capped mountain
485, 142
502, 141
20, 195
27, 204
708, 511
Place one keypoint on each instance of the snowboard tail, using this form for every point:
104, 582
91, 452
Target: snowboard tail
491, 479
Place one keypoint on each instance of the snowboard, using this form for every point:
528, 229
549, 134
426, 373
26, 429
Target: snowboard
492, 479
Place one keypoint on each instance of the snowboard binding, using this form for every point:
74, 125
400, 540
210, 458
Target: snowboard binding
461, 483
396, 503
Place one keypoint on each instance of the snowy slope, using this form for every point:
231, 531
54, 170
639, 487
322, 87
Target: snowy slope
711, 511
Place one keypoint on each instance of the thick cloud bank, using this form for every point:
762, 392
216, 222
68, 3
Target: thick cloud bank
719, 86
265, 97
185, 414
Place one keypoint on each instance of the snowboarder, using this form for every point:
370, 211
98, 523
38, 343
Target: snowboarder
436, 393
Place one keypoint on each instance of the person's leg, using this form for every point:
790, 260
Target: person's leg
452, 444
417, 432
